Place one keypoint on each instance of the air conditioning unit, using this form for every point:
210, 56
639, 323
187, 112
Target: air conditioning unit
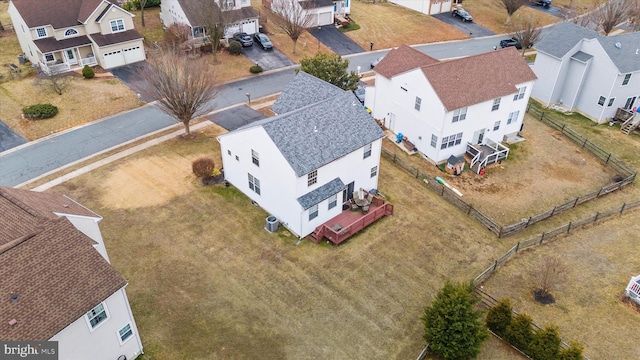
272, 224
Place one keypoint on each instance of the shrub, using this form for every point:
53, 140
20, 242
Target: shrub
235, 48
203, 166
573, 352
88, 72
40, 111
545, 344
519, 333
499, 317
255, 69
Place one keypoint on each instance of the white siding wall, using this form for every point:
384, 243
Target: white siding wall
171, 12
78, 342
89, 226
24, 35
104, 27
547, 68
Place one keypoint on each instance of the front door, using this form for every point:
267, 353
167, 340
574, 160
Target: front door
347, 194
629, 103
70, 57
478, 136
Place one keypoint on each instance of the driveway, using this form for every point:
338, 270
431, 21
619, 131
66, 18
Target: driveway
9, 138
268, 60
551, 10
131, 75
235, 117
471, 28
338, 42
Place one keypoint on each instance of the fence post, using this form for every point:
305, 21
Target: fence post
541, 115
495, 265
575, 202
553, 211
623, 205
562, 130
608, 157
442, 190
394, 158
585, 142
528, 220
597, 214
517, 246
542, 238
569, 227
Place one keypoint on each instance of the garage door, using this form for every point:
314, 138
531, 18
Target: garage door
325, 18
113, 59
133, 54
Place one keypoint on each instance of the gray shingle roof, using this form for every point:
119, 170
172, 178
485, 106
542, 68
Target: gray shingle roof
581, 56
323, 192
564, 37
303, 90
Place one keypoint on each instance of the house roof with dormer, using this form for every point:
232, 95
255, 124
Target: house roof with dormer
50, 273
402, 59
57, 13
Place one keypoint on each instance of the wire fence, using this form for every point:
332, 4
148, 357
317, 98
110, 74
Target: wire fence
626, 176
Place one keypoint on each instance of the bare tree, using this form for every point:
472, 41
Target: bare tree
290, 17
634, 14
213, 17
611, 14
183, 86
55, 82
527, 31
512, 6
176, 34
142, 3
550, 272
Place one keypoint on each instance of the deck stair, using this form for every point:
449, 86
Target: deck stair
630, 124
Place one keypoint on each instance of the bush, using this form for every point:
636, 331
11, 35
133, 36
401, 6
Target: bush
519, 333
573, 352
545, 344
203, 166
88, 72
499, 317
40, 111
235, 48
255, 69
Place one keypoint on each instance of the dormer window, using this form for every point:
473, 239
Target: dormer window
117, 25
70, 32
42, 32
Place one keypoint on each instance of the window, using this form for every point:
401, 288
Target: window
229, 152
601, 100
610, 104
418, 102
333, 201
42, 32
367, 151
496, 125
513, 117
313, 212
255, 158
626, 79
434, 140
629, 103
97, 315
117, 25
496, 104
70, 32
460, 114
374, 171
312, 178
520, 93
254, 184
49, 57
449, 141
229, 4
237, 158
125, 333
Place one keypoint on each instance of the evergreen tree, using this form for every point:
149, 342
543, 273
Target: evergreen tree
519, 332
332, 69
545, 344
499, 317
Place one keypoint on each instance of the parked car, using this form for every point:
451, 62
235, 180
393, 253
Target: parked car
510, 42
544, 3
376, 61
264, 41
463, 14
243, 38
359, 92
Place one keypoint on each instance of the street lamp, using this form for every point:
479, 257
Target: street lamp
248, 98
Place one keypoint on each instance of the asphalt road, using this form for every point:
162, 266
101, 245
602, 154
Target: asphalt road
474, 30
9, 138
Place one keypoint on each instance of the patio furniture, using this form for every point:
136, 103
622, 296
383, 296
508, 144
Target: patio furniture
354, 206
370, 198
365, 209
362, 202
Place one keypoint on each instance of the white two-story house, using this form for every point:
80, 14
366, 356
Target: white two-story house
587, 72
319, 12
428, 7
303, 164
239, 16
442, 106
68, 34
56, 282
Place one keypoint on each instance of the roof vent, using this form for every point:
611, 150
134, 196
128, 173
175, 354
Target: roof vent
315, 129
13, 322
15, 298
65, 205
618, 45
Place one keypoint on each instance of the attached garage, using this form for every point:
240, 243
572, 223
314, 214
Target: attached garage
325, 18
113, 59
133, 54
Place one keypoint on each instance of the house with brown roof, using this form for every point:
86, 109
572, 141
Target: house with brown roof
442, 107
238, 16
56, 282
65, 35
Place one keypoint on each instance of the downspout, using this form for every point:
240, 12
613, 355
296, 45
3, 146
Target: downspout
124, 295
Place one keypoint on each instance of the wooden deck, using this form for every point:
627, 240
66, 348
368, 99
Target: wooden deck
348, 222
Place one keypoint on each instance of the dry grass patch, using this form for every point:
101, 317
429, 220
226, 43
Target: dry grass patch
389, 25
152, 31
308, 45
207, 281
600, 261
492, 15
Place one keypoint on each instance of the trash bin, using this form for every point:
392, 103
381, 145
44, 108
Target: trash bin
261, 29
21, 59
272, 224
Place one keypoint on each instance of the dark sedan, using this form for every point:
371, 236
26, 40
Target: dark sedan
463, 14
263, 40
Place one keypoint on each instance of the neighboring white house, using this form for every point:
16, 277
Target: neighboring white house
321, 12
303, 164
56, 282
588, 72
429, 7
68, 34
440, 106
239, 16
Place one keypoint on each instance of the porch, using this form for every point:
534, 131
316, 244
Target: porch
58, 56
485, 154
349, 222
629, 119
60, 66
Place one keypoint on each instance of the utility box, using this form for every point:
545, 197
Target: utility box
22, 59
272, 224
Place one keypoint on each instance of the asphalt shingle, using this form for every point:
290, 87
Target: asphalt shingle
322, 193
